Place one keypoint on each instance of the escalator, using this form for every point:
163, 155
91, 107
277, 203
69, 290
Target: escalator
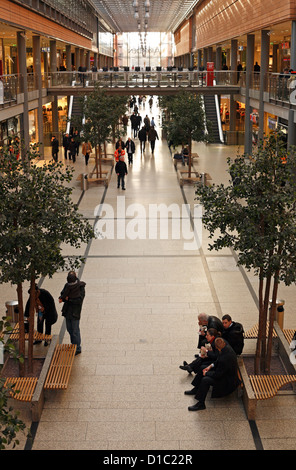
212, 112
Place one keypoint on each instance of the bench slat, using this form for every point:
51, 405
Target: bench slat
23, 389
267, 386
60, 368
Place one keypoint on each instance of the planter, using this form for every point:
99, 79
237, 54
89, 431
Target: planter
284, 366
41, 367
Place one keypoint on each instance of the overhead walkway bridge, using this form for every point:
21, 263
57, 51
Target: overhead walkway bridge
142, 83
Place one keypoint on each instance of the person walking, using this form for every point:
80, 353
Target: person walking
152, 136
45, 309
86, 151
130, 149
77, 141
121, 171
54, 148
72, 150
66, 142
72, 297
142, 138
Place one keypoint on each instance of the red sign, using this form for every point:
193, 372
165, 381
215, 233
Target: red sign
210, 73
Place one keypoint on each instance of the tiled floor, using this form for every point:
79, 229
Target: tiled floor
139, 323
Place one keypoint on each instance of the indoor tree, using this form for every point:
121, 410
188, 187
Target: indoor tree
37, 215
255, 215
185, 120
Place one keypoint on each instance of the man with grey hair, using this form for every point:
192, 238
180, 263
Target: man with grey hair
205, 322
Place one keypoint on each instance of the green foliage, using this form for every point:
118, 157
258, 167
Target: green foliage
102, 113
37, 215
186, 119
255, 215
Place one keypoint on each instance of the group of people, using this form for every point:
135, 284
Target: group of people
72, 296
220, 342
71, 146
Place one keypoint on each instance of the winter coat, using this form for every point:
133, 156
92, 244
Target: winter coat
50, 312
234, 335
152, 134
225, 373
55, 145
133, 148
121, 168
142, 134
73, 295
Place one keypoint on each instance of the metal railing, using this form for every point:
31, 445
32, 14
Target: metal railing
163, 79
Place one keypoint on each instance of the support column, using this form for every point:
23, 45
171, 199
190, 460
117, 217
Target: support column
199, 59
219, 58
249, 71
210, 54
22, 69
53, 68
87, 60
95, 60
68, 58
37, 72
233, 79
264, 66
205, 58
77, 58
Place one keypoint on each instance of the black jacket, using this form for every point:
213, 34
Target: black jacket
121, 168
72, 296
142, 134
133, 147
47, 300
55, 145
234, 335
225, 373
213, 322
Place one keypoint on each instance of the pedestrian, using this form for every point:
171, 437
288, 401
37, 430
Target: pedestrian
86, 151
142, 138
77, 141
152, 136
72, 296
72, 150
54, 148
134, 124
121, 171
130, 149
66, 142
45, 309
118, 153
147, 123
125, 122
120, 144
150, 103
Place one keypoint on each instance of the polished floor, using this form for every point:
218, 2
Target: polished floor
145, 285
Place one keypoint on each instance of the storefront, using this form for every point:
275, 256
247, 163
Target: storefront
62, 118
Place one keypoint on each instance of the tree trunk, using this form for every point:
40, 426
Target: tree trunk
100, 161
271, 322
22, 347
31, 324
96, 158
189, 158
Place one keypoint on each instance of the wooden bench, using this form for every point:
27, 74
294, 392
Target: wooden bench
267, 386
252, 333
60, 367
21, 388
15, 334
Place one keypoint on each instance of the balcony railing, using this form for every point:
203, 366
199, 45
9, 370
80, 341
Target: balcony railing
133, 80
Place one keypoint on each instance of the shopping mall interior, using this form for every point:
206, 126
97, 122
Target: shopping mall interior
144, 293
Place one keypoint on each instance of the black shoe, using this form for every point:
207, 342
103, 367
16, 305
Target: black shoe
197, 407
123, 189
46, 343
188, 368
77, 352
37, 341
193, 391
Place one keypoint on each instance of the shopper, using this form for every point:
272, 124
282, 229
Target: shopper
54, 148
86, 151
121, 171
72, 297
45, 309
152, 136
142, 138
72, 150
130, 149
66, 142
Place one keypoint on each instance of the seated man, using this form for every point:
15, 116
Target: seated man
207, 321
222, 375
208, 353
233, 333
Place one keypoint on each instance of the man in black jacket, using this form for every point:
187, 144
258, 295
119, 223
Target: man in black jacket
44, 305
222, 375
121, 171
233, 333
142, 134
130, 149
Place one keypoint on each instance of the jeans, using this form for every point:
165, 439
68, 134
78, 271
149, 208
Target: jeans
120, 179
73, 329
